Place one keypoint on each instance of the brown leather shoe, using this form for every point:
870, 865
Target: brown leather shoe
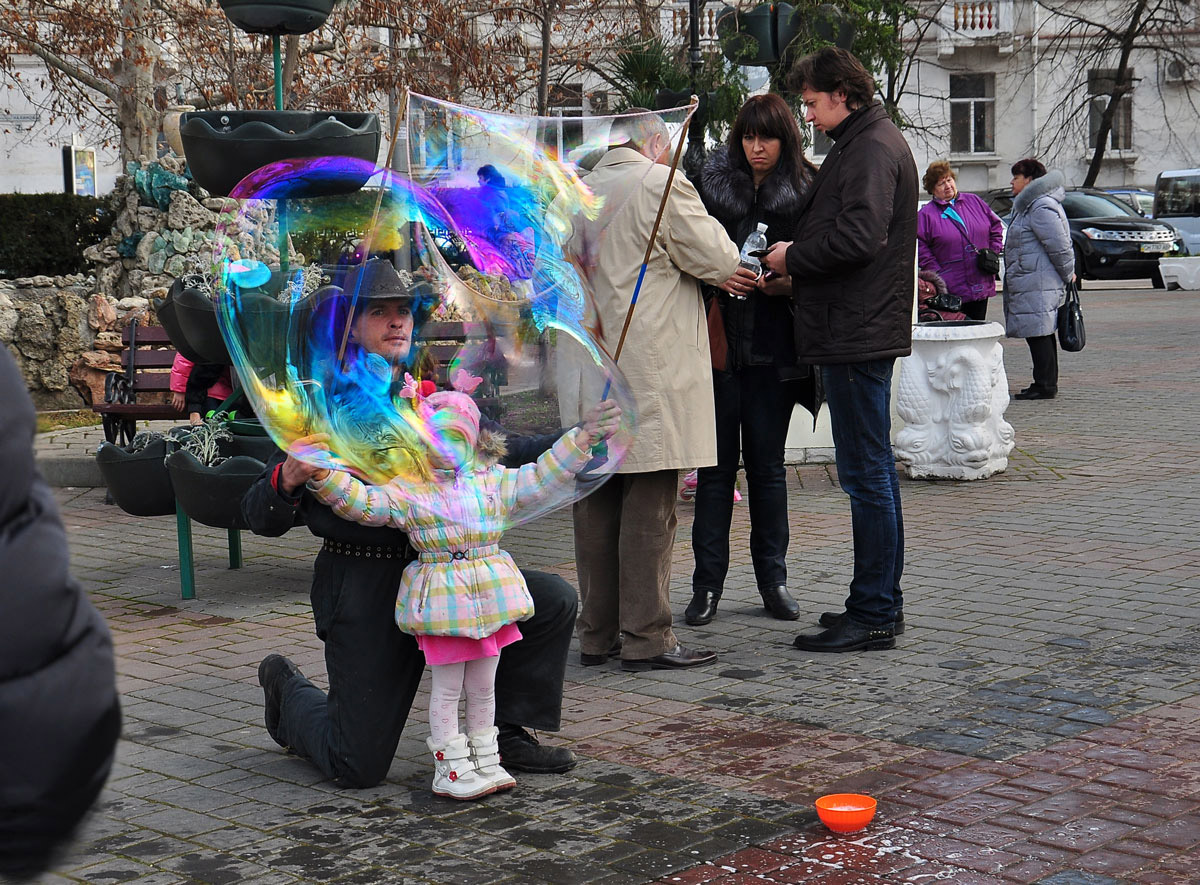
678, 658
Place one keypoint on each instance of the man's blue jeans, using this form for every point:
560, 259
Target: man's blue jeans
859, 397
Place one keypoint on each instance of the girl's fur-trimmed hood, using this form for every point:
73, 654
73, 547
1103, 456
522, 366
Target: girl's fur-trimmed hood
729, 191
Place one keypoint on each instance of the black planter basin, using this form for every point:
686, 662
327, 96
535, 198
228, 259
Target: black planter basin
250, 439
212, 495
164, 308
138, 482
223, 147
196, 324
283, 17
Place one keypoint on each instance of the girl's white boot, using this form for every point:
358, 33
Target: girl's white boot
485, 753
454, 773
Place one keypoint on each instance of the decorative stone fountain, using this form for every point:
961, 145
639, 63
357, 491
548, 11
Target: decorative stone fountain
222, 147
952, 396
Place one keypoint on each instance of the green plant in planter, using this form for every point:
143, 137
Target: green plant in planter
204, 440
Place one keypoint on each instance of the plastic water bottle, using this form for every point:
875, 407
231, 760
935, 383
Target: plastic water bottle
755, 242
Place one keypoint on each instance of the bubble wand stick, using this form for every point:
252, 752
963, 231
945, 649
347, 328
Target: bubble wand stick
662, 206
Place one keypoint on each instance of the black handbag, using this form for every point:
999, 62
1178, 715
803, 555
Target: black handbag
988, 261
1071, 334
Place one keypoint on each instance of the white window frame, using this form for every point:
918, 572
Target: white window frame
1120, 137
973, 103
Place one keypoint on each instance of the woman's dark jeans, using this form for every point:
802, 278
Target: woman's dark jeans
859, 397
753, 409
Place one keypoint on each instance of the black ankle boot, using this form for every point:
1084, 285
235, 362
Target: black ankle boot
779, 603
701, 609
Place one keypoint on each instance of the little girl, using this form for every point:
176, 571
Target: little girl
461, 598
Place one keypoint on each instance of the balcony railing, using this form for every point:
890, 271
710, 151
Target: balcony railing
673, 22
976, 23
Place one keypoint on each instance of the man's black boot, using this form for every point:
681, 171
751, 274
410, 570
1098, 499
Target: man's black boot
520, 751
848, 635
273, 674
831, 619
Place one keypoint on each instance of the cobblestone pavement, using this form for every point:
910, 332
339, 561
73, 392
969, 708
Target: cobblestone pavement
1036, 723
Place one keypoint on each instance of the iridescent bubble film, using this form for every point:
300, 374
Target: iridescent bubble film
347, 294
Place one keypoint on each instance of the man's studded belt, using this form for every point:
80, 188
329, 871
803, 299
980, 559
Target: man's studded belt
368, 551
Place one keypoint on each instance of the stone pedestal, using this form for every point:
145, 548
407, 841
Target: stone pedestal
952, 397
1181, 272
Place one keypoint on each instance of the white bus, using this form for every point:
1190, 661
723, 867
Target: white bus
1177, 202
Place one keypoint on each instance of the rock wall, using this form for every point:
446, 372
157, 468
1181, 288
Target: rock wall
65, 332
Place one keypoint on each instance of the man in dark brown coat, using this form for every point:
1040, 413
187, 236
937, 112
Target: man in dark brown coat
852, 267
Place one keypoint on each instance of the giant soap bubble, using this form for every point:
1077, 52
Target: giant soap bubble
344, 307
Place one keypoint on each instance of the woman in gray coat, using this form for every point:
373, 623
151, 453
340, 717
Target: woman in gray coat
1038, 263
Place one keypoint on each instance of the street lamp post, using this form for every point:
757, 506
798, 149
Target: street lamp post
693, 159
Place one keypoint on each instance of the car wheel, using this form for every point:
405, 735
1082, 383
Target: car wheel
1156, 279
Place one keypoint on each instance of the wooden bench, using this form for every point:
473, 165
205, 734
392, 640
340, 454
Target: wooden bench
444, 341
147, 359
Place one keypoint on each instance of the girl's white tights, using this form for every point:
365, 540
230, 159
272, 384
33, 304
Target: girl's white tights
477, 679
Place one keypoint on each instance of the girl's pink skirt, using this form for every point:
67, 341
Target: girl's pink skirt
456, 649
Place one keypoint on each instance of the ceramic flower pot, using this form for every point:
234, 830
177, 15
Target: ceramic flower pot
212, 496
223, 147
277, 16
137, 481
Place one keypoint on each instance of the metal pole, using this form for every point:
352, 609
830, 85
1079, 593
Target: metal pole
281, 209
693, 160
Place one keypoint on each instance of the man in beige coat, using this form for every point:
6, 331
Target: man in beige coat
625, 531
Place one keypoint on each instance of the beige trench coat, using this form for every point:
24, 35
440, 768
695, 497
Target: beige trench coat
665, 358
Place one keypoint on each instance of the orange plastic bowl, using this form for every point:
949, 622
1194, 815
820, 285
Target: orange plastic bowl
846, 812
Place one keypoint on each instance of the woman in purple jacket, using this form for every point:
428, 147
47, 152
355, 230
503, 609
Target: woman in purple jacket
951, 230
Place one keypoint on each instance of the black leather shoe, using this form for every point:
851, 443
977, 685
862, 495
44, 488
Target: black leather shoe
678, 658
702, 608
520, 751
848, 635
779, 603
832, 619
1035, 393
598, 660
273, 674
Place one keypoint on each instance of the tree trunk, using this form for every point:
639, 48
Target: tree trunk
137, 119
1121, 88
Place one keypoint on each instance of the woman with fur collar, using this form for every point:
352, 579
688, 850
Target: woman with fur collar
1039, 261
759, 177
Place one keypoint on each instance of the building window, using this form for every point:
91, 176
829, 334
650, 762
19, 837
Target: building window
972, 113
565, 101
1102, 83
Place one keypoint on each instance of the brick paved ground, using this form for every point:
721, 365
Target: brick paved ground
1037, 722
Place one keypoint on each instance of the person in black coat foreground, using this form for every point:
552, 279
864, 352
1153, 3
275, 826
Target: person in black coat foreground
59, 712
350, 733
